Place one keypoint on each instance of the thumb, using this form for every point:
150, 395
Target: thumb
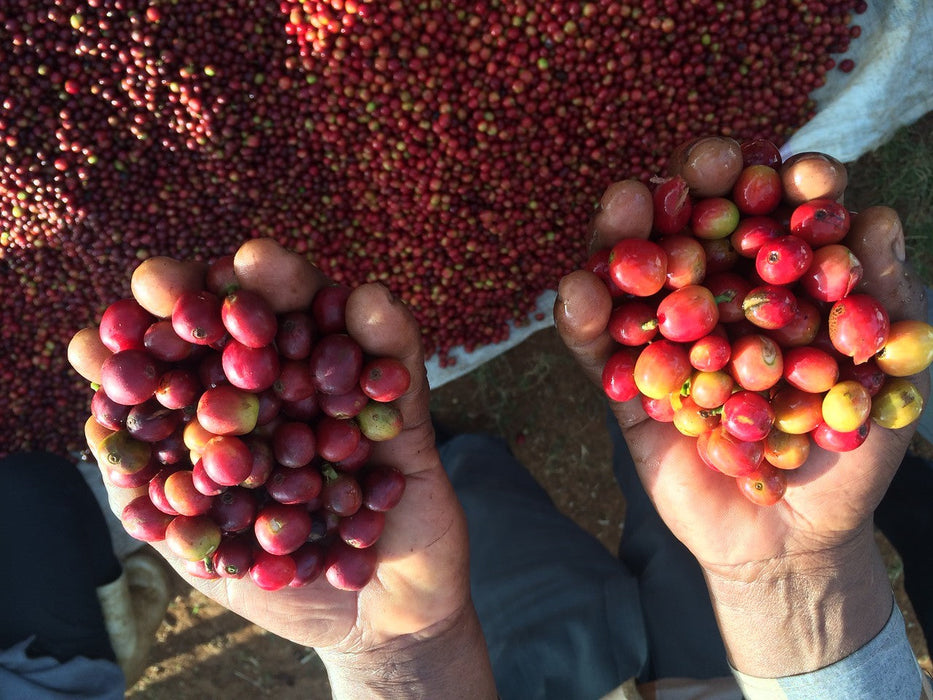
384, 326
877, 240
581, 315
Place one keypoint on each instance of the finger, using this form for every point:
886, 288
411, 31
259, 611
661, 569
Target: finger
86, 353
288, 281
626, 210
157, 283
581, 315
876, 237
424, 536
384, 327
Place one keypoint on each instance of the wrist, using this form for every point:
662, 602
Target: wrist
448, 660
802, 612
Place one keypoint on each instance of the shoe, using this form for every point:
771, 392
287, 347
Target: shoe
134, 606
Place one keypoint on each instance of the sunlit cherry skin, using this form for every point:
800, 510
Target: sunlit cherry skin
765, 486
732, 456
820, 222
897, 404
192, 538
227, 410
858, 326
672, 205
783, 260
714, 218
633, 323
144, 521
687, 314
908, 349
638, 266
770, 306
659, 409
795, 411
702, 442
810, 369
686, 261
281, 528
846, 406
747, 415
711, 352
248, 318
662, 368
130, 377
196, 318
692, 419
384, 379
758, 190
711, 389
753, 232
833, 273
123, 325
835, 441
227, 460
757, 363
786, 450
271, 572
618, 376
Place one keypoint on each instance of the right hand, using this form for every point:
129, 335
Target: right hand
802, 572
420, 590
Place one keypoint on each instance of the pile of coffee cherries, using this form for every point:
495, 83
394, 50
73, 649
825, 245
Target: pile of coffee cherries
251, 432
740, 317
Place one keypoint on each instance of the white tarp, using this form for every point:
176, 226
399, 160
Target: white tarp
890, 87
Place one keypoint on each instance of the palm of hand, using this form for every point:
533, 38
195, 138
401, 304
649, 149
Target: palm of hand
418, 581
421, 577
831, 496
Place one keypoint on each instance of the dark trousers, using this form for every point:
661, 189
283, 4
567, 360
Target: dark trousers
905, 516
563, 617
56, 551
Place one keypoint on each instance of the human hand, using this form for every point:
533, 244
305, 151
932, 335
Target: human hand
799, 584
416, 611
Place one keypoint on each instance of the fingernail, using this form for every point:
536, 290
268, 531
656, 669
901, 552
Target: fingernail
560, 304
899, 247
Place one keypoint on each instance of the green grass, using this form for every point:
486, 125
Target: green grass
899, 174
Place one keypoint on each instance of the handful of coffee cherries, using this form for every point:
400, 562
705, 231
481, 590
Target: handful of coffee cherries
246, 431
740, 317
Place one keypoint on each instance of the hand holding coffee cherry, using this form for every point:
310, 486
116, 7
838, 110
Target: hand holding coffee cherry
269, 434
803, 416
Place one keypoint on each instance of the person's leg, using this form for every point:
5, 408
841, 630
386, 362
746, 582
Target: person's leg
905, 516
683, 638
561, 615
56, 551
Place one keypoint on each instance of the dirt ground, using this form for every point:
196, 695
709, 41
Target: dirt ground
536, 397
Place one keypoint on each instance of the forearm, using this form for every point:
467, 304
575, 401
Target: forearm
787, 619
451, 662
